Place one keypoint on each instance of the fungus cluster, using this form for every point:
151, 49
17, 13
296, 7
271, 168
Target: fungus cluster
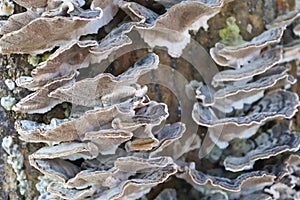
117, 143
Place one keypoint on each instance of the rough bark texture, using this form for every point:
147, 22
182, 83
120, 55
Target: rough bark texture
255, 13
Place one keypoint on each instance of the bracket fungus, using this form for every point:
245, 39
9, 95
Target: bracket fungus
287, 187
39, 101
56, 161
17, 21
235, 95
171, 29
275, 141
236, 56
274, 105
284, 20
67, 19
290, 51
252, 181
258, 65
256, 70
99, 136
121, 141
122, 127
110, 117
107, 88
61, 63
